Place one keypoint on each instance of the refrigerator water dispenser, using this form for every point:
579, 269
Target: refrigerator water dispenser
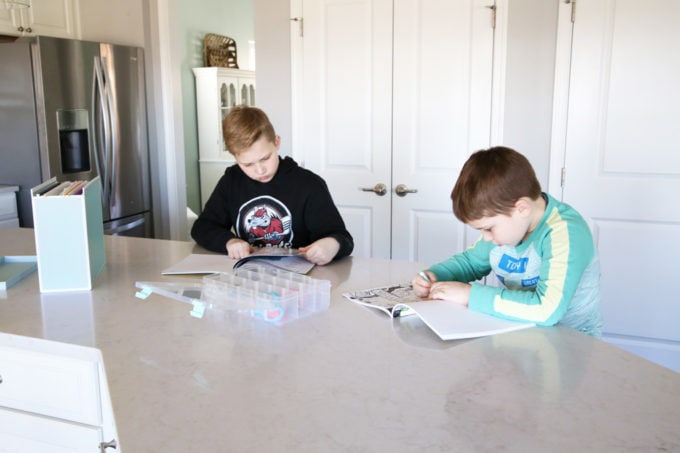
74, 147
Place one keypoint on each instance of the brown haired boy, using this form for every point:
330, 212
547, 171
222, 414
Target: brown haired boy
541, 250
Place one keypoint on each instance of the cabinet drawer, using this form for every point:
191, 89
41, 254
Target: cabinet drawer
50, 384
8, 205
25, 433
9, 223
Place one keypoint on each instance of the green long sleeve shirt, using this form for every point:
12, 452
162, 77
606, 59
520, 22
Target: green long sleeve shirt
551, 277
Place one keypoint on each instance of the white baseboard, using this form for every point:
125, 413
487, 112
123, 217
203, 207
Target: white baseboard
662, 352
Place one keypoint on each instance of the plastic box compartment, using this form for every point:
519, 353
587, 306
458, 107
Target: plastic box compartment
274, 295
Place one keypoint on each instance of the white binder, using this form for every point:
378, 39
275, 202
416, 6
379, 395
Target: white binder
69, 237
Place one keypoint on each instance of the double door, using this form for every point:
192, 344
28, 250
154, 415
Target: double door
391, 98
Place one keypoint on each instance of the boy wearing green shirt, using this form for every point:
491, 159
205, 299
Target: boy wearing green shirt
540, 249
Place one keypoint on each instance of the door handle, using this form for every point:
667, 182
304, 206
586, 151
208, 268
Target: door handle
402, 190
379, 189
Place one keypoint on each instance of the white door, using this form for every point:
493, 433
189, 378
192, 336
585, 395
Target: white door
344, 111
622, 165
394, 95
441, 114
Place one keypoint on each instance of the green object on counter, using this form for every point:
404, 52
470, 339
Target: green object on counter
14, 268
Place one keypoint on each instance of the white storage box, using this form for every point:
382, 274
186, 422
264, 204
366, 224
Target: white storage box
69, 236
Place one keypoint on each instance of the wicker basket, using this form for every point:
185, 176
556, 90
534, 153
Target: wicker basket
219, 51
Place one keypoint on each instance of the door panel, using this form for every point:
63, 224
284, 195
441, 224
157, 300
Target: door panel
442, 111
395, 106
622, 169
346, 111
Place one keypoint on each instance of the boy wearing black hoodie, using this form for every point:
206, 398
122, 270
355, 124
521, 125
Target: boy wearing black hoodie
268, 201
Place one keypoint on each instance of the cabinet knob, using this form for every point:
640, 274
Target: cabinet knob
110, 444
20, 28
0, 378
29, 30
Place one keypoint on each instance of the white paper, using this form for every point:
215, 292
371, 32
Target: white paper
451, 321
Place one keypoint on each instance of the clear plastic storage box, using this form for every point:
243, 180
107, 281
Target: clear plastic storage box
267, 293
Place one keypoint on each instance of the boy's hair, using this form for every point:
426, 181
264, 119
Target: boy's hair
243, 126
491, 182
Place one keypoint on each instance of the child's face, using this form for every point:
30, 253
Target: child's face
261, 160
503, 229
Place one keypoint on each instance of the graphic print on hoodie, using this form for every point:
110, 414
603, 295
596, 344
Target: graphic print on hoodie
265, 222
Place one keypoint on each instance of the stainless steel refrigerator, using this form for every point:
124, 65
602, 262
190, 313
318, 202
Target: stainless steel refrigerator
74, 110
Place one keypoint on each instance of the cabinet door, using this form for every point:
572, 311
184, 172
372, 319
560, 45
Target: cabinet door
51, 18
50, 384
7, 25
229, 96
246, 91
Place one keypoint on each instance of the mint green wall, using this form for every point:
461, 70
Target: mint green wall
195, 18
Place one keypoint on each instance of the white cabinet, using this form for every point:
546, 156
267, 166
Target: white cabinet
44, 17
217, 91
53, 394
9, 217
7, 21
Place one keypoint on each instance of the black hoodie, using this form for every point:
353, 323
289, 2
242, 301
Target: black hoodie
294, 209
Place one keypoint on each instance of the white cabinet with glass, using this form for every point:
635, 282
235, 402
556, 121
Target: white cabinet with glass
40, 17
217, 91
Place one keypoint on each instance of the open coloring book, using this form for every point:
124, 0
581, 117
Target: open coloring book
286, 259
283, 258
386, 298
450, 321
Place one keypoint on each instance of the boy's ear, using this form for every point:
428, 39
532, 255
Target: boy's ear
277, 141
523, 207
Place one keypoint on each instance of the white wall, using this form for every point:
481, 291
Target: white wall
196, 18
528, 90
530, 66
117, 22
273, 77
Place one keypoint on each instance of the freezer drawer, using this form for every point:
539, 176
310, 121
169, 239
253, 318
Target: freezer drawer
134, 226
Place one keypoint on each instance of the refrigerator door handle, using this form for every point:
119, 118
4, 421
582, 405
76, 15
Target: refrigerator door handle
102, 131
113, 145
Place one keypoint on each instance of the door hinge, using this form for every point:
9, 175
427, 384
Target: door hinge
493, 15
301, 27
563, 177
572, 3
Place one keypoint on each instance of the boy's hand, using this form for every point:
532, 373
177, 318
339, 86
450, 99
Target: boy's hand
322, 251
238, 248
452, 291
422, 285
